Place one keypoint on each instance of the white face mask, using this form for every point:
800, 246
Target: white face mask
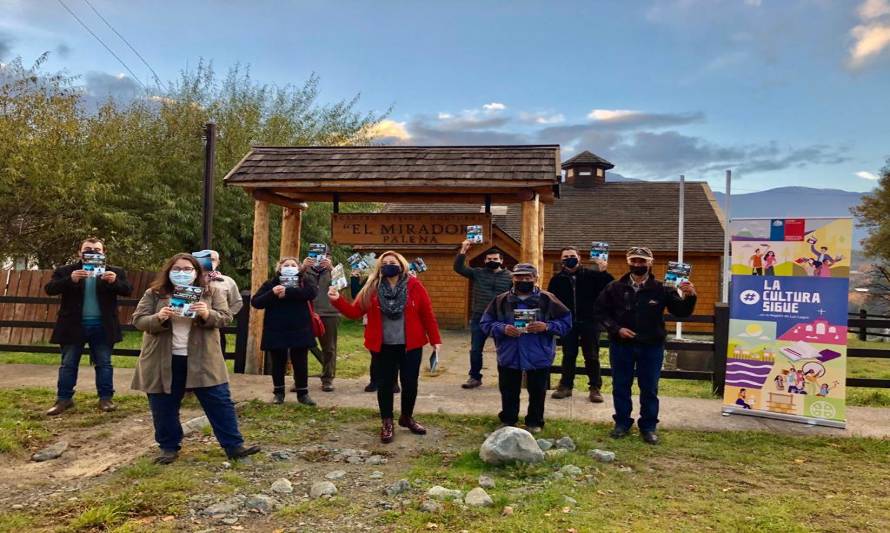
290, 271
182, 278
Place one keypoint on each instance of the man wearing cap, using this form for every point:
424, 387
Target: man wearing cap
530, 349
631, 309
209, 260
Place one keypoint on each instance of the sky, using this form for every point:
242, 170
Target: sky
782, 92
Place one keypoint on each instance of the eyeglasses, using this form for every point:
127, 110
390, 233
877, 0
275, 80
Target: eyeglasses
187, 270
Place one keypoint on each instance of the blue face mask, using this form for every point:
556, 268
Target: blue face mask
182, 278
290, 271
389, 271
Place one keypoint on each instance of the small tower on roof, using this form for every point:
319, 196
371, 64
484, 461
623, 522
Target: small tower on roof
586, 170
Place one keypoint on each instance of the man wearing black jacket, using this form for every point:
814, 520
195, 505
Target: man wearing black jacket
632, 311
87, 315
577, 288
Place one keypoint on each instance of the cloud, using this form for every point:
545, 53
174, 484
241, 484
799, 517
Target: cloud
99, 87
626, 119
5, 45
872, 35
389, 129
866, 175
63, 51
542, 118
494, 106
611, 114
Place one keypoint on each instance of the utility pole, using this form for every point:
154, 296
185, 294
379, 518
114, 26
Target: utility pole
209, 159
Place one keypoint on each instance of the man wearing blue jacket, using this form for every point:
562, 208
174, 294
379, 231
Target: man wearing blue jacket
525, 345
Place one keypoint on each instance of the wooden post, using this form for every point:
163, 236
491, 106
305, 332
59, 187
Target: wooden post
291, 223
529, 235
259, 270
540, 253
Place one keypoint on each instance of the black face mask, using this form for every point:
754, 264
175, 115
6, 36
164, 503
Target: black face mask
492, 265
524, 287
570, 262
389, 271
639, 270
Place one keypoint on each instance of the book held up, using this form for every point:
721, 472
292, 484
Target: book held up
474, 234
94, 264
523, 317
183, 298
677, 273
599, 251
338, 278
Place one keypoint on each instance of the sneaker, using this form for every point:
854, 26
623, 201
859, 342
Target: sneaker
371, 387
60, 407
561, 392
166, 457
305, 399
472, 383
596, 396
619, 432
107, 405
649, 437
241, 452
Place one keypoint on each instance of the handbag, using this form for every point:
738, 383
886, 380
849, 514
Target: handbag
317, 323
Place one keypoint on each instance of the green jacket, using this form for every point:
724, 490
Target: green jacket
486, 283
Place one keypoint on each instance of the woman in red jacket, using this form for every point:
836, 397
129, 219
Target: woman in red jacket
400, 323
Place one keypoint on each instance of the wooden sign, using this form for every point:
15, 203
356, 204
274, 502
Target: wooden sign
406, 228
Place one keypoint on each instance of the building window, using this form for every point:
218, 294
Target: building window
600, 173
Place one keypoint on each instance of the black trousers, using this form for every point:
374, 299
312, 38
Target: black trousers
510, 385
391, 361
585, 337
300, 362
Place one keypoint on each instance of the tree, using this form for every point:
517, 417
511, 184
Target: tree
874, 214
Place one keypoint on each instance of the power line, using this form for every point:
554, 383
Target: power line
153, 73
110, 51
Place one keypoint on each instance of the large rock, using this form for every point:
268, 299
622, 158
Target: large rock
50, 452
223, 508
441, 493
261, 503
508, 445
322, 488
282, 486
478, 498
602, 456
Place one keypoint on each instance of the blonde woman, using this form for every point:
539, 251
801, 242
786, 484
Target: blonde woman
400, 323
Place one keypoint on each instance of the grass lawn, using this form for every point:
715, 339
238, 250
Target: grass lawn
694, 481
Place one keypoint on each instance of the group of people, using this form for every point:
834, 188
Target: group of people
185, 353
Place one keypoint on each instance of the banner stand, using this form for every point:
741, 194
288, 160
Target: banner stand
787, 418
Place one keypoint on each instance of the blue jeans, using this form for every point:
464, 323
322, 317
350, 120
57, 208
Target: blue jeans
646, 360
100, 355
216, 402
477, 344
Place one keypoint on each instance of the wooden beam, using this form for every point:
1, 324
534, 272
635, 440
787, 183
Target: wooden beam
382, 195
529, 232
277, 199
540, 252
259, 270
291, 226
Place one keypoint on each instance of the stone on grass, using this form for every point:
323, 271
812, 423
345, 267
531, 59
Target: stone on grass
508, 445
478, 498
376, 460
260, 502
545, 444
50, 452
507, 511
566, 443
282, 486
571, 471
398, 487
280, 455
602, 456
195, 424
335, 475
441, 493
430, 506
486, 482
626, 469
376, 474
225, 507
570, 501
556, 452
322, 488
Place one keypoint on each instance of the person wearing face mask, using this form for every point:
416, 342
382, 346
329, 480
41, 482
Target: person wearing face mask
327, 355
578, 288
287, 326
400, 323
87, 315
530, 349
488, 282
632, 309
180, 353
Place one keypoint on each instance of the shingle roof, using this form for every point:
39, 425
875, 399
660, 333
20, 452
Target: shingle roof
464, 164
623, 214
588, 157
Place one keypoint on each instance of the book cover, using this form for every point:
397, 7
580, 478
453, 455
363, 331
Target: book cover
94, 264
338, 278
289, 281
523, 317
474, 234
183, 298
357, 262
417, 265
317, 250
599, 251
677, 273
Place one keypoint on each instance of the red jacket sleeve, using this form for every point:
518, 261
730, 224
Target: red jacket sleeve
425, 309
351, 310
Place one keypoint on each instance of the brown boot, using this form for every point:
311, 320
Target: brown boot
60, 407
412, 425
561, 392
386, 431
596, 396
107, 405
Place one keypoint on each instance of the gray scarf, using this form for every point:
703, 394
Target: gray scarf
393, 298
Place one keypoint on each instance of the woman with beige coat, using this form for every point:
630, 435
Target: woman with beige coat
182, 353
